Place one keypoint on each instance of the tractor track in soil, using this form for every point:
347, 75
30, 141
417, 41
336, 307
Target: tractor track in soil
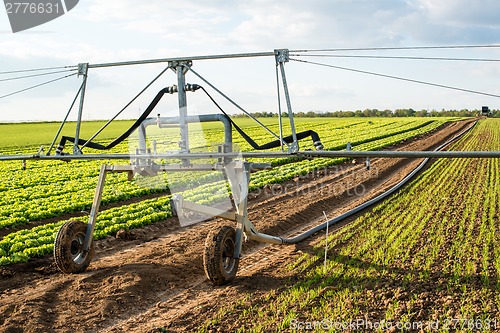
153, 277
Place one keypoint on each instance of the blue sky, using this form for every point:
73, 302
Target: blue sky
118, 30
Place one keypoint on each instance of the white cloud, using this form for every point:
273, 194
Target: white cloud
118, 30
463, 12
454, 21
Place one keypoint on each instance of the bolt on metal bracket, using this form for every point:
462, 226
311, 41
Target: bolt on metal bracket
282, 55
82, 69
185, 64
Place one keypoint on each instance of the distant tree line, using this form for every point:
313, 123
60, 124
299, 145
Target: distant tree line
378, 113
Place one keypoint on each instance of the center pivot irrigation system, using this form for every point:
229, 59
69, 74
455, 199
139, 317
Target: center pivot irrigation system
73, 247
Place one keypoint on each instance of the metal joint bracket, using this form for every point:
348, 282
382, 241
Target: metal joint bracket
185, 64
294, 148
140, 161
83, 69
282, 55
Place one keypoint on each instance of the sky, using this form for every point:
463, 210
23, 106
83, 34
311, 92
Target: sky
121, 30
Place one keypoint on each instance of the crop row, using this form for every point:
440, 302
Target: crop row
30, 243
429, 254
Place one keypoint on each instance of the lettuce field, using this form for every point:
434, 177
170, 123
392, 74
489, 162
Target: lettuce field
48, 190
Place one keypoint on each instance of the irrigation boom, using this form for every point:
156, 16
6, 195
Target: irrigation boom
301, 154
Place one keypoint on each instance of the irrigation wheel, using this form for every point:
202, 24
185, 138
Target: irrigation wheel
218, 260
68, 248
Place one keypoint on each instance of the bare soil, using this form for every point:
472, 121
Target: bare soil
152, 279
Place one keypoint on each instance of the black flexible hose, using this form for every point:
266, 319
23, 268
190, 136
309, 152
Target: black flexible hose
373, 201
273, 144
122, 137
189, 87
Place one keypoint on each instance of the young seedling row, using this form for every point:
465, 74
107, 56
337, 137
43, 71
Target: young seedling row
427, 259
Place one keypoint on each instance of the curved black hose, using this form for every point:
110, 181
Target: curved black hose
122, 137
273, 144
373, 201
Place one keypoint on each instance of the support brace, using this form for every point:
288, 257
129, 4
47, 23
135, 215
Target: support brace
238, 174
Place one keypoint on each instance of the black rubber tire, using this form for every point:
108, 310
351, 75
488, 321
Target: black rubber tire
218, 258
68, 248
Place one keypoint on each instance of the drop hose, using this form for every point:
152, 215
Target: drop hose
310, 232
